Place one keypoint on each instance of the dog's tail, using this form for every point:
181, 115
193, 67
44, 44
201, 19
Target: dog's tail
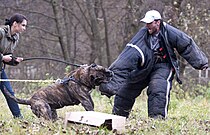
19, 101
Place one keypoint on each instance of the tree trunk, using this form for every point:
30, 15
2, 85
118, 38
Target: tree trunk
106, 35
61, 27
96, 41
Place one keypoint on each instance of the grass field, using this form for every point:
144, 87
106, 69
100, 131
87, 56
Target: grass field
186, 117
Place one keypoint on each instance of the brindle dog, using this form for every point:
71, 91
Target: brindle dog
74, 89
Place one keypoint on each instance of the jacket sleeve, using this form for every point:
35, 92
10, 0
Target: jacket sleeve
187, 48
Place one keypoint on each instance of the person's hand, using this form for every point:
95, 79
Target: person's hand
205, 67
7, 58
19, 59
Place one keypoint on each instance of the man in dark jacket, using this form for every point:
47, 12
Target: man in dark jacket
149, 59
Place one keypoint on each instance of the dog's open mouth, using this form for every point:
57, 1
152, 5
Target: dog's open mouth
106, 77
98, 81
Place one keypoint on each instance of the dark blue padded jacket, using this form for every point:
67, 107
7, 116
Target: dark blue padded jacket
136, 61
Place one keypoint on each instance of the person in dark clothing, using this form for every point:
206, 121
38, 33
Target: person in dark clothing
149, 60
9, 36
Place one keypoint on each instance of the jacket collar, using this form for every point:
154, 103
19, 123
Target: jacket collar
8, 34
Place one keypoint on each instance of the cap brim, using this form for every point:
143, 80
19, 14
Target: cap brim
146, 20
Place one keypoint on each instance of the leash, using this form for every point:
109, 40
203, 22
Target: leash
53, 59
16, 80
37, 58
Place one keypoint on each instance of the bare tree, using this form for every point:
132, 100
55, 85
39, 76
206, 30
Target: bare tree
61, 27
95, 33
106, 34
94, 30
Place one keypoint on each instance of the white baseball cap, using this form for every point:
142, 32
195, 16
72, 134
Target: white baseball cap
150, 16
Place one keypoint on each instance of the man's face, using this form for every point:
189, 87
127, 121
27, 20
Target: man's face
153, 27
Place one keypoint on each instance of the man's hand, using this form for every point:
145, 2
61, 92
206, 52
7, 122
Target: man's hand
204, 67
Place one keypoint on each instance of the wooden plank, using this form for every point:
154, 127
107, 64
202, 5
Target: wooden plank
96, 119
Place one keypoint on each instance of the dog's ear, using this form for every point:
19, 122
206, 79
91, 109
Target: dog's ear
81, 71
93, 65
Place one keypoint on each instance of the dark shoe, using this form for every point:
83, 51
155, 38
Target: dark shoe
18, 117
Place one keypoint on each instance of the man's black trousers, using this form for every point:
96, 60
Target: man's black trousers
159, 84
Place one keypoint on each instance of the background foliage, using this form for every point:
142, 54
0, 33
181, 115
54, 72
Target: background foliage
90, 31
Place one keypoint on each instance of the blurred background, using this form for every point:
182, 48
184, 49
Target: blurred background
87, 31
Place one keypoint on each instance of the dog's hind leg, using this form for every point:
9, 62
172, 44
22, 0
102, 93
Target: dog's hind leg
42, 109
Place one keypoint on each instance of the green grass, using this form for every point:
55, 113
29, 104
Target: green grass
186, 117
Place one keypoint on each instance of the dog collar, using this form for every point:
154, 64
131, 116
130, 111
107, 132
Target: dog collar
71, 78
